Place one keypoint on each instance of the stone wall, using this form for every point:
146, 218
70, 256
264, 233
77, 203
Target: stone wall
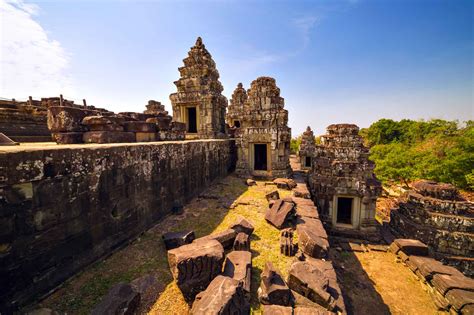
64, 207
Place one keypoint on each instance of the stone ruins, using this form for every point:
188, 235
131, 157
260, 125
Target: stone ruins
307, 149
437, 215
199, 102
66, 207
262, 134
342, 179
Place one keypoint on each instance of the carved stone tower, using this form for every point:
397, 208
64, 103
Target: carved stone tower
307, 147
263, 136
199, 102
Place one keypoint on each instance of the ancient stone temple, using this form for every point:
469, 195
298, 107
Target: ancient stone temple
263, 138
199, 101
437, 215
342, 179
307, 148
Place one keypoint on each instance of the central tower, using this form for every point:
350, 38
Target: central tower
199, 102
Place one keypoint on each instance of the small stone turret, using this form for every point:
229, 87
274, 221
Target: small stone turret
307, 149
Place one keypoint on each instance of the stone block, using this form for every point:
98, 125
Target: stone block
108, 137
285, 183
250, 182
444, 283
287, 247
242, 226
145, 136
306, 279
226, 238
306, 310
193, 266
272, 195
139, 126
65, 119
412, 247
460, 298
281, 213
162, 123
238, 266
415, 262
121, 299
312, 238
277, 310
224, 295
177, 239
273, 289
301, 192
242, 242
67, 137
432, 267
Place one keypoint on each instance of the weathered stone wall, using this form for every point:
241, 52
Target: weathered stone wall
62, 208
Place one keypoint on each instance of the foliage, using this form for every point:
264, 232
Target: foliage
295, 144
436, 149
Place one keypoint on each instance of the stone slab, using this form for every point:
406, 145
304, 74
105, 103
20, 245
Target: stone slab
412, 247
238, 266
273, 289
121, 299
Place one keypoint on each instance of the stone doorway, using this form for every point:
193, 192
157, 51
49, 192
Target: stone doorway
307, 161
191, 119
237, 124
344, 210
260, 157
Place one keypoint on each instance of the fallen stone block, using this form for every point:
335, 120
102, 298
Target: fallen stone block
177, 239
226, 238
412, 247
242, 242
394, 248
444, 283
224, 295
460, 298
432, 267
285, 183
194, 265
312, 238
273, 289
272, 195
277, 310
66, 119
414, 262
301, 192
162, 123
287, 247
102, 123
139, 126
67, 137
378, 247
281, 213
108, 137
121, 299
250, 182
238, 266
403, 257
306, 211
242, 225
306, 279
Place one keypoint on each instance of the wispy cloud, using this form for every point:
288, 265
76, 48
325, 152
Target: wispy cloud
305, 24
30, 62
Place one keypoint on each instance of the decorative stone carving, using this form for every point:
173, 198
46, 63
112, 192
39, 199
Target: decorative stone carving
199, 101
273, 289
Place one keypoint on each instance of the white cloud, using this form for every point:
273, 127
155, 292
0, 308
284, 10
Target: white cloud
305, 24
30, 62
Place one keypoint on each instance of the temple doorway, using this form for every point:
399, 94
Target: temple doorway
307, 161
192, 119
260, 157
344, 210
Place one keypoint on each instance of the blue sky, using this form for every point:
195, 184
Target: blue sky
334, 61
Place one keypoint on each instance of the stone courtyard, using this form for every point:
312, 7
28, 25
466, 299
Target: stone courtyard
367, 278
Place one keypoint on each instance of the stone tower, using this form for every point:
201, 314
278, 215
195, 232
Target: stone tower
263, 138
236, 107
307, 148
199, 102
342, 179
